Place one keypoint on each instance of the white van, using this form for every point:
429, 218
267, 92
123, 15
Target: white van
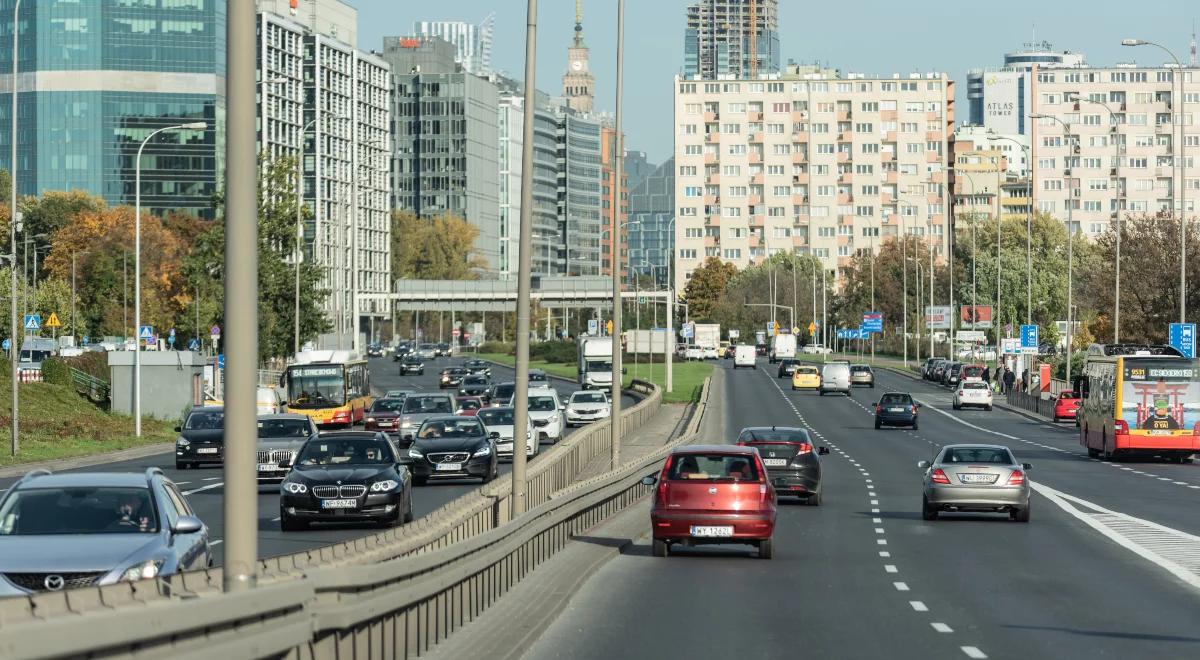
745, 356
835, 377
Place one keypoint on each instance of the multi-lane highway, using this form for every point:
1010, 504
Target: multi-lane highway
204, 487
864, 576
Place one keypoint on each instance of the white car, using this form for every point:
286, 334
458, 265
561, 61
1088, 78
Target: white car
710, 353
587, 406
499, 420
546, 413
693, 353
745, 356
972, 393
269, 401
815, 349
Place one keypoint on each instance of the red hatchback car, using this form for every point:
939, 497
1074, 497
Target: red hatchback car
713, 494
1066, 405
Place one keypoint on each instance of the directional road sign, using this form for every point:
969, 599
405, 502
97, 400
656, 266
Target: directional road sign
1029, 339
688, 330
53, 321
1183, 337
873, 322
146, 332
33, 322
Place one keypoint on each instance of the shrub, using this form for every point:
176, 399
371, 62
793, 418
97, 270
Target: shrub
54, 370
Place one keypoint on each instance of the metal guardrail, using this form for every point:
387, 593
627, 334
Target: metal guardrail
87, 385
1031, 403
393, 594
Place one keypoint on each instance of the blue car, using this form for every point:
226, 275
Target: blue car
896, 409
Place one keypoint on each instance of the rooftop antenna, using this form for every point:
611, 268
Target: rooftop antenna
1193, 58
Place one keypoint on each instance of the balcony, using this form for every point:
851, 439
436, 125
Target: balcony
712, 137
844, 115
891, 176
846, 177
799, 199
755, 200
754, 116
756, 136
710, 116
889, 136
932, 157
800, 136
845, 198
843, 157
933, 136
709, 159
755, 157
758, 179
845, 136
710, 200
800, 178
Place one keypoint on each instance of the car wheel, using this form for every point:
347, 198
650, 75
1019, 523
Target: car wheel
661, 548
814, 499
928, 512
766, 549
954, 406
878, 425
1020, 515
988, 407
915, 427
822, 392
872, 385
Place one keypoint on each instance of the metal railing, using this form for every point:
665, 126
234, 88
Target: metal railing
87, 385
394, 594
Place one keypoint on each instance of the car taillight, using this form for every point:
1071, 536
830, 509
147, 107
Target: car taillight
1121, 427
803, 448
939, 477
764, 492
877, 408
960, 392
1017, 478
914, 409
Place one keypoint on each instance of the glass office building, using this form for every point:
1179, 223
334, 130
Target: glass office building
96, 78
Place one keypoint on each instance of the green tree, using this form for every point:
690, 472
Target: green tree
706, 288
56, 209
437, 248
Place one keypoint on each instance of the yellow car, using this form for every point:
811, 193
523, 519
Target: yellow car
806, 378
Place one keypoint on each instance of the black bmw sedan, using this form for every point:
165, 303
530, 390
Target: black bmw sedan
792, 459
453, 447
350, 476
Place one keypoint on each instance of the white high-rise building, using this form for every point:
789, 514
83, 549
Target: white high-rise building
472, 43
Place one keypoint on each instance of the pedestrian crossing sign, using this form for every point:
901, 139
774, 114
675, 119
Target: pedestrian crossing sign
53, 321
146, 332
33, 322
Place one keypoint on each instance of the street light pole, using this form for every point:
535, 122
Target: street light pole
137, 268
14, 349
298, 253
615, 259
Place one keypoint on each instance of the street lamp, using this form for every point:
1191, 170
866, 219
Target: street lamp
12, 199
1028, 232
137, 268
1180, 163
1070, 232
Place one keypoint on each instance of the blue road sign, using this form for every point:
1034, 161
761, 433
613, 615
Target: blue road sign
171, 338
1029, 338
688, 331
221, 361
33, 322
873, 322
593, 327
1183, 337
171, 333
6, 345
194, 345
146, 332
85, 341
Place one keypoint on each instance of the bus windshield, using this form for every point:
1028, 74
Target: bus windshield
316, 387
1160, 396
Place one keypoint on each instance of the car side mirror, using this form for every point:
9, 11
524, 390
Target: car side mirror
408, 437
1027, 466
494, 435
179, 429
187, 525
821, 451
649, 481
924, 465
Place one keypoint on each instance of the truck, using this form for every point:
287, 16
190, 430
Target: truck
595, 362
783, 345
708, 339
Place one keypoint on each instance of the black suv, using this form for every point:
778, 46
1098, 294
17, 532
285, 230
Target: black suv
793, 462
896, 409
787, 366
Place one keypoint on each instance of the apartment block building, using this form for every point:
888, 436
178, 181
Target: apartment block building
808, 163
1109, 144
981, 168
341, 95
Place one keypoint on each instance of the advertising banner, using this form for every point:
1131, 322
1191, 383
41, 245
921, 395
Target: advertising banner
976, 317
937, 317
1159, 397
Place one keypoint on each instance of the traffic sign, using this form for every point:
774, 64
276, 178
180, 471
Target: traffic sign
53, 321
734, 334
215, 331
86, 340
1183, 337
812, 327
641, 300
7, 344
221, 361
193, 344
688, 330
593, 327
609, 326
171, 333
171, 339
872, 322
146, 332
1029, 339
33, 322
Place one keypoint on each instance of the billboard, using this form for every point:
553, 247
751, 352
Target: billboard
937, 317
1002, 104
1158, 397
976, 317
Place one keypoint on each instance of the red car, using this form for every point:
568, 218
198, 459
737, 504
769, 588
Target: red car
384, 415
467, 406
713, 494
1066, 405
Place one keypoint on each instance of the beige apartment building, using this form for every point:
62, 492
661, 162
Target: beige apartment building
808, 162
1114, 154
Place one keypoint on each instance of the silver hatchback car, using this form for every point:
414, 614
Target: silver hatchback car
975, 478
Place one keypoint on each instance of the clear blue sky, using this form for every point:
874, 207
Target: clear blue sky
887, 36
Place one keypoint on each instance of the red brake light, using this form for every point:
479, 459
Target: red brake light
939, 477
1121, 426
1017, 478
914, 408
877, 408
803, 448
960, 392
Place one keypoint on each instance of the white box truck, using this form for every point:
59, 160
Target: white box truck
783, 346
595, 362
708, 339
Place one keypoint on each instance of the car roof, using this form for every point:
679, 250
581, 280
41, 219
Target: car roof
752, 429
713, 449
446, 418
973, 445
207, 409
283, 416
350, 435
75, 479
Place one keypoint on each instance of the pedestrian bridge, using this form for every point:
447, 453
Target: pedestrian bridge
501, 295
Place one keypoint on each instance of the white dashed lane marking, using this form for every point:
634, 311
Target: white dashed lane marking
973, 652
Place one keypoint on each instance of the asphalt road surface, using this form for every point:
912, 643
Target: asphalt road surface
864, 576
204, 487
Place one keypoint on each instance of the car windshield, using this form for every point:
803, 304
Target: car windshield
713, 467
475, 380
469, 404
465, 427
496, 416
978, 455
1066, 394
895, 400
205, 420
504, 391
283, 428
537, 375
387, 405
974, 386
598, 365
588, 397
541, 403
78, 510
773, 435
345, 451
316, 387
427, 404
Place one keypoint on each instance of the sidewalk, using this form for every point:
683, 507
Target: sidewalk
661, 428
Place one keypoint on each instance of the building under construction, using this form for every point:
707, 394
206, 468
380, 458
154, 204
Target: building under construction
731, 39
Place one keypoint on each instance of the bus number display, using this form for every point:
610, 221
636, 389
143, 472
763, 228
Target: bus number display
309, 372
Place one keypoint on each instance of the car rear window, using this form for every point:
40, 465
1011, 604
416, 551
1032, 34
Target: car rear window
859, 368
427, 404
808, 371
902, 399
974, 386
1066, 395
774, 435
978, 455
387, 405
735, 467
469, 404
283, 428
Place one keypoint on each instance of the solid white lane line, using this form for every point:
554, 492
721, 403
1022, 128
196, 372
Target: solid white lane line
890, 568
204, 488
900, 586
210, 478
941, 627
973, 652
216, 542
918, 606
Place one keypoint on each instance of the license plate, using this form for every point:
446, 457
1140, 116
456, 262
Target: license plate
774, 462
977, 478
895, 409
339, 504
269, 467
504, 446
710, 530
449, 467
381, 424
206, 450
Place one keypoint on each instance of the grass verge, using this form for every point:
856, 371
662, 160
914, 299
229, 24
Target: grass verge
688, 377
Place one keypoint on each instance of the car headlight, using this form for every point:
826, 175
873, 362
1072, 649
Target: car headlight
406, 422
295, 487
485, 450
142, 571
183, 442
414, 453
370, 419
383, 486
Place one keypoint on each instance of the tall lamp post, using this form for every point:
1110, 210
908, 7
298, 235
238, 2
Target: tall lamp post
1180, 163
615, 259
1070, 233
137, 268
12, 264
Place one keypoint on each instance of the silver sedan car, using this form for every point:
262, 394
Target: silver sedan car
975, 478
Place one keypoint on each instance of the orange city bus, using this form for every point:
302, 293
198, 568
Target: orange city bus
331, 387
1139, 400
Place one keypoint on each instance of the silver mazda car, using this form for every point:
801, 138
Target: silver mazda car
975, 478
64, 531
